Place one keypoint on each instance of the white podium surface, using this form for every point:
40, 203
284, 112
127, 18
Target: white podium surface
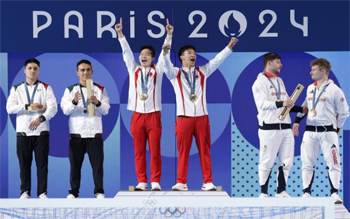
173, 204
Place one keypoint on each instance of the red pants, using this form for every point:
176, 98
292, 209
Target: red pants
185, 129
147, 126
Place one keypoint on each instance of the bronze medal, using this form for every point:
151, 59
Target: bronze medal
313, 112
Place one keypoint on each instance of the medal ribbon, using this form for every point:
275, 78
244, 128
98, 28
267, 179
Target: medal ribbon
85, 103
278, 92
192, 86
314, 103
145, 82
30, 100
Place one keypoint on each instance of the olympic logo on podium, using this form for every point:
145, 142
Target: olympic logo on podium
172, 211
149, 202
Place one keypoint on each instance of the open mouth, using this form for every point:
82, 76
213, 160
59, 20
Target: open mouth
144, 60
193, 59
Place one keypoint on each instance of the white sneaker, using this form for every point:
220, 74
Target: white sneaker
336, 198
155, 186
306, 195
208, 187
71, 196
141, 187
100, 196
25, 195
179, 187
43, 196
263, 195
283, 194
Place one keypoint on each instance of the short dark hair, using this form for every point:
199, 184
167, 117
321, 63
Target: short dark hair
322, 64
31, 60
270, 57
183, 49
153, 51
84, 61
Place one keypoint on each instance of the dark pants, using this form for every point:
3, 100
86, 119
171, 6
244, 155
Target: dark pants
25, 147
77, 149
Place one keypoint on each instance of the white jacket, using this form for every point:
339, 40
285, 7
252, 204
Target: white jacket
184, 106
331, 109
80, 122
154, 85
265, 99
18, 99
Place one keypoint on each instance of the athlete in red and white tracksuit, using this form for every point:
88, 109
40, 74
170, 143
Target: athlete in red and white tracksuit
192, 116
275, 136
321, 131
146, 119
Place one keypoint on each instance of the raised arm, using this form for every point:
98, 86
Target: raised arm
164, 57
168, 39
119, 28
128, 55
169, 30
213, 64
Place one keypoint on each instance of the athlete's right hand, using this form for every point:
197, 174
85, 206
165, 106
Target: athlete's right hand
77, 97
296, 129
119, 27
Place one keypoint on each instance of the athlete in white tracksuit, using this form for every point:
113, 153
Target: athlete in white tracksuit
85, 131
328, 111
275, 136
145, 86
32, 126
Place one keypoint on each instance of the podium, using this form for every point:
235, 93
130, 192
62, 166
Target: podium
173, 204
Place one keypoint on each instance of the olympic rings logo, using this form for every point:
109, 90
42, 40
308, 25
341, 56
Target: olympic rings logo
172, 211
149, 202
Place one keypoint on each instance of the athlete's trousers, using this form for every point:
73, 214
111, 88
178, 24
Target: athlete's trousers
77, 149
271, 143
185, 129
328, 141
147, 126
25, 147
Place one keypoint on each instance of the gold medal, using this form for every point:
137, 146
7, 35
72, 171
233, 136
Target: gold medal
193, 97
313, 112
143, 96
